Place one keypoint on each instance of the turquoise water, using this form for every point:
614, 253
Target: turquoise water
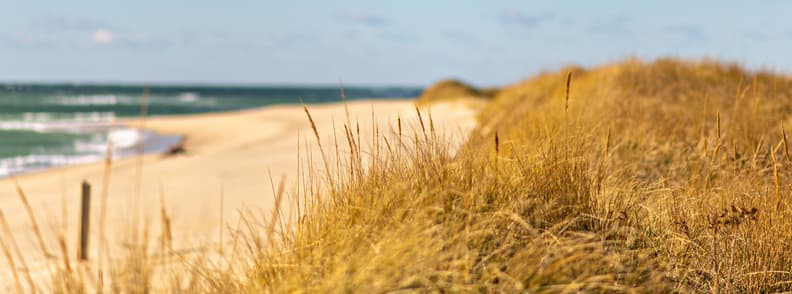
43, 126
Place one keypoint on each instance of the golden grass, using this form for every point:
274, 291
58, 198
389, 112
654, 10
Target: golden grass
616, 181
32, 217
670, 122
103, 214
11, 264
11, 240
669, 176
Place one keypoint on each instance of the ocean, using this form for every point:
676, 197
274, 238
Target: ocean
49, 125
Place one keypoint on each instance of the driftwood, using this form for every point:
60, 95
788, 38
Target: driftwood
176, 149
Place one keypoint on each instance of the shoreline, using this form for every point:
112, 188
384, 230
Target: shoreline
179, 138
155, 143
228, 156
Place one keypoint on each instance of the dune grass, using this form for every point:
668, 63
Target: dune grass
649, 177
668, 176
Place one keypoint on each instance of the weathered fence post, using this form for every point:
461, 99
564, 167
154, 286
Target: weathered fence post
85, 212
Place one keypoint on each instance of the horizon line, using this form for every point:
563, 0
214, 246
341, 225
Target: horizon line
201, 84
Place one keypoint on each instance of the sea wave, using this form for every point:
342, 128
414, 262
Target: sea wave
36, 162
102, 99
189, 97
83, 150
79, 122
109, 100
125, 142
119, 138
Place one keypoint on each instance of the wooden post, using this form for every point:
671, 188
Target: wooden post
85, 212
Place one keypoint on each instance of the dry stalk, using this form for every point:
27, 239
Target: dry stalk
601, 171
719, 142
420, 120
276, 210
705, 151
734, 152
64, 207
497, 145
319, 142
222, 223
756, 152
234, 245
377, 142
388, 145
337, 148
18, 252
777, 180
374, 154
399, 123
566, 99
166, 240
12, 265
103, 211
166, 237
139, 164
65, 253
786, 146
32, 217
344, 100
718, 125
360, 144
566, 110
431, 124
352, 150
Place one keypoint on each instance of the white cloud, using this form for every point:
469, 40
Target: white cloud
102, 36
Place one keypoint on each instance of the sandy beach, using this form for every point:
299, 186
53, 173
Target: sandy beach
230, 154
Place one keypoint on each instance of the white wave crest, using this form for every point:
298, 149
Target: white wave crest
94, 100
126, 138
189, 97
29, 163
59, 122
120, 138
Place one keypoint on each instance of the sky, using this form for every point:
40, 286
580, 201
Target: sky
407, 42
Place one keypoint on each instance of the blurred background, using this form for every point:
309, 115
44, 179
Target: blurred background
405, 43
70, 70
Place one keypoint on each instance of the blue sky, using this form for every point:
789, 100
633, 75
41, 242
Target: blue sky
406, 42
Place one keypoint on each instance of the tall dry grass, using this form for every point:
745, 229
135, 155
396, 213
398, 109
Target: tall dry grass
649, 177
668, 176
700, 146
